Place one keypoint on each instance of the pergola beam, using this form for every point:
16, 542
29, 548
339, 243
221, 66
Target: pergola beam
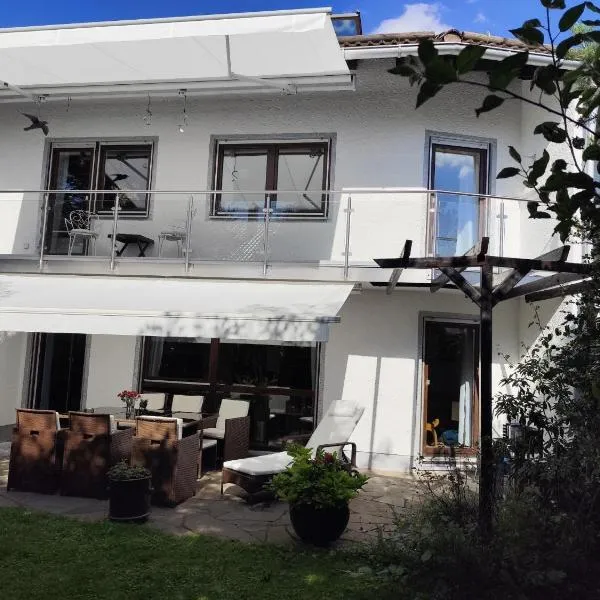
543, 283
458, 279
395, 277
480, 250
560, 291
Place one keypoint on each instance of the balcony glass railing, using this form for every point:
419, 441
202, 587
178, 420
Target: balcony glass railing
343, 230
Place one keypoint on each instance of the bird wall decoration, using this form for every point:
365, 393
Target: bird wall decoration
36, 123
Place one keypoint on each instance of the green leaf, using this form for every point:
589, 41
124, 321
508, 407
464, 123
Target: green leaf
553, 4
426, 556
489, 103
427, 51
591, 36
544, 78
591, 153
529, 35
571, 42
571, 16
427, 91
578, 142
591, 23
532, 23
515, 61
551, 131
468, 58
514, 154
534, 213
559, 165
538, 168
403, 69
441, 71
591, 6
508, 172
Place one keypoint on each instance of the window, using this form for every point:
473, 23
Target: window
450, 386
301, 169
279, 380
458, 218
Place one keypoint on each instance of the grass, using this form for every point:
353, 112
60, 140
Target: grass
54, 557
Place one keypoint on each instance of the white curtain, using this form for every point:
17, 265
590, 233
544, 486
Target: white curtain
467, 224
465, 405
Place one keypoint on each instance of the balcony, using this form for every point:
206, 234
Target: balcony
260, 234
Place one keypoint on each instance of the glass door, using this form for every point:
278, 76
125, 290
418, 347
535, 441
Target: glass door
71, 170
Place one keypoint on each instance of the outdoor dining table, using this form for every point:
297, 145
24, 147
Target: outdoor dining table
126, 239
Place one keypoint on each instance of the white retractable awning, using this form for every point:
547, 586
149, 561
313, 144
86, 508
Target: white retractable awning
248, 310
193, 53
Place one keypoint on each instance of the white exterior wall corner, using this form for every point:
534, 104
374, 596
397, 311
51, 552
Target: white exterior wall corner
12, 374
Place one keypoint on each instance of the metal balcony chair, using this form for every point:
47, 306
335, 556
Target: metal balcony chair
79, 224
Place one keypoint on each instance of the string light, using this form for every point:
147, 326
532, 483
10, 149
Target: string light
184, 118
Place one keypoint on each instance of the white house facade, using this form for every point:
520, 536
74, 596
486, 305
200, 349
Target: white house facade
237, 176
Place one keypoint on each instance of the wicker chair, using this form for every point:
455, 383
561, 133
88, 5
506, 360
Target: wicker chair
92, 446
174, 460
35, 451
231, 428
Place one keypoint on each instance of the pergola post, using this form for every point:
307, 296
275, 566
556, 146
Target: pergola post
487, 476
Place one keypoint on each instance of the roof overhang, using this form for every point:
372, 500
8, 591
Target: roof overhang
237, 310
284, 51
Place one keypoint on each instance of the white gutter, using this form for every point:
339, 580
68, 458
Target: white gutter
244, 15
399, 50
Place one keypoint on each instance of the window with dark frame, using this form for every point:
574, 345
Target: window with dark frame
300, 170
123, 168
279, 380
458, 218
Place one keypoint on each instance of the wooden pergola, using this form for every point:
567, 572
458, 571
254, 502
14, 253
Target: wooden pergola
567, 278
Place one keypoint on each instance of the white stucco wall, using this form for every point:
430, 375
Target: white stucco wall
12, 366
379, 143
111, 365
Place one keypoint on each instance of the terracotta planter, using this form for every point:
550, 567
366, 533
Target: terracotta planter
129, 499
319, 526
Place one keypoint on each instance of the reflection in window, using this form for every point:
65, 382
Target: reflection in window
299, 170
175, 359
123, 169
458, 217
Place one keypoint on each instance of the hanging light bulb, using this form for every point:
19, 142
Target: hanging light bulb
148, 115
184, 118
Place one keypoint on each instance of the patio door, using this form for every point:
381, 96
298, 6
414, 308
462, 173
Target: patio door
57, 371
71, 170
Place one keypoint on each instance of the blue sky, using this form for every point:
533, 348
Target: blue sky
495, 16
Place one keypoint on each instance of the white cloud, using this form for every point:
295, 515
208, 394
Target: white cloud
463, 163
416, 17
480, 18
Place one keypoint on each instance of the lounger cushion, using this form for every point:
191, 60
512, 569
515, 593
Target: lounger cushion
187, 404
214, 432
267, 464
208, 443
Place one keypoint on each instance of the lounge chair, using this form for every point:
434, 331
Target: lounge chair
172, 459
333, 433
35, 460
156, 402
231, 429
92, 446
187, 407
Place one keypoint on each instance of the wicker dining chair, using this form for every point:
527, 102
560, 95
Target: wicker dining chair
231, 429
35, 452
172, 459
92, 446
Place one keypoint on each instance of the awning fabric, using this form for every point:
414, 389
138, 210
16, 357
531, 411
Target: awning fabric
245, 310
273, 46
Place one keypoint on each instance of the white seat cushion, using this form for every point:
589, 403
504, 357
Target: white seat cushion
267, 464
214, 432
208, 443
155, 401
230, 409
187, 404
113, 423
167, 419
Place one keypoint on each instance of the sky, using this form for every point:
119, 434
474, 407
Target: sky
379, 16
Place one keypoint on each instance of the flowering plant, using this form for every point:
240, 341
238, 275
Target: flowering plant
323, 481
129, 398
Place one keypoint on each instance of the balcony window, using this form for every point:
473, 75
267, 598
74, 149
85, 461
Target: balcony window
299, 170
461, 172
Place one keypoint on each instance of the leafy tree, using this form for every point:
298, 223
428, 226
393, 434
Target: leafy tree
563, 188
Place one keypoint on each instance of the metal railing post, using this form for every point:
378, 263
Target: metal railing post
347, 242
188, 232
267, 213
44, 226
113, 248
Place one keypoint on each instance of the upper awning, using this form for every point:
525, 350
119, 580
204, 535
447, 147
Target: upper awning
244, 310
199, 53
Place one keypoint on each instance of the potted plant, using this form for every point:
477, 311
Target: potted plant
318, 490
129, 398
129, 492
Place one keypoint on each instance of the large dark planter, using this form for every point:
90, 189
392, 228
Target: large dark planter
129, 499
319, 526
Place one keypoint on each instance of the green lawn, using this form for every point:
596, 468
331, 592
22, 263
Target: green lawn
54, 557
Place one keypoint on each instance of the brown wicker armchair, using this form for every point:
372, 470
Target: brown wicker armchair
231, 429
92, 446
174, 460
35, 452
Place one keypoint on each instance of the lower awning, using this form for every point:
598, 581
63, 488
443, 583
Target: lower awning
244, 310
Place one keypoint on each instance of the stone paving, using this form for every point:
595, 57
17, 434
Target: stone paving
229, 516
